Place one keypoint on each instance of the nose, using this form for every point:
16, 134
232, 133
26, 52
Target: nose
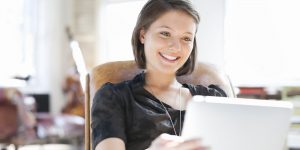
175, 44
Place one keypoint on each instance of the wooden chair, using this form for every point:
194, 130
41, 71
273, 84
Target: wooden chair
114, 72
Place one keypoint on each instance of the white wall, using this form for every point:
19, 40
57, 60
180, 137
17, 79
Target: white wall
51, 52
210, 36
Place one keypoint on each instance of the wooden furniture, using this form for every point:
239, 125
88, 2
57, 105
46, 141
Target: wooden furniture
204, 74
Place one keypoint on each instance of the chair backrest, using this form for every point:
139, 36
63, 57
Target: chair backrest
114, 72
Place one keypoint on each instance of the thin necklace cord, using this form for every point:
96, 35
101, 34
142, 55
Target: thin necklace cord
168, 114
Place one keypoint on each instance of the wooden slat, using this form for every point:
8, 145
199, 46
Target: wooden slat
87, 134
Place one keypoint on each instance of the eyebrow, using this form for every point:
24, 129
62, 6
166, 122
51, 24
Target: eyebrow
164, 26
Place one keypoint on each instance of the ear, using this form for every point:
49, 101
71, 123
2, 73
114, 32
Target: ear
142, 35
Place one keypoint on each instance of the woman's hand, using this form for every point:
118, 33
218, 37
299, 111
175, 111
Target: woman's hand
172, 142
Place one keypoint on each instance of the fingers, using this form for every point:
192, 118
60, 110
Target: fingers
160, 141
194, 144
171, 142
165, 142
168, 137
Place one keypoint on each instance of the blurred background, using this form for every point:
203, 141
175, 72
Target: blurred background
46, 45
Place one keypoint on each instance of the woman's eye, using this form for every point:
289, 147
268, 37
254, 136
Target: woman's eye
187, 39
166, 34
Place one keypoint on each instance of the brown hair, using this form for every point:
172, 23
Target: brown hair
152, 10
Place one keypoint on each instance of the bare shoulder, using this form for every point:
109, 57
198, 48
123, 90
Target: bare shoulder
111, 143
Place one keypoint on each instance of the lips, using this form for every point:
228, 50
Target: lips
168, 57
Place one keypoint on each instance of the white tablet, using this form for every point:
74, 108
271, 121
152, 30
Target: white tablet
238, 124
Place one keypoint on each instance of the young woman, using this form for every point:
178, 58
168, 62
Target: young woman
148, 111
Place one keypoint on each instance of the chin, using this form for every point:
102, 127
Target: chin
168, 70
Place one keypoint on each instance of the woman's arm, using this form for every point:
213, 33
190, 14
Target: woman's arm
111, 143
108, 119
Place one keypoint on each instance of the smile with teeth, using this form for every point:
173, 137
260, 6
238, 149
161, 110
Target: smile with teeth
168, 57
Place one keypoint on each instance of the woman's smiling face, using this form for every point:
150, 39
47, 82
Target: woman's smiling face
168, 42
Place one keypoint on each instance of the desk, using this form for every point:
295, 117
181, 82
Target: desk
63, 128
44, 147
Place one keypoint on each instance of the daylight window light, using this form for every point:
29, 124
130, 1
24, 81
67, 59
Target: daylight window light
79, 62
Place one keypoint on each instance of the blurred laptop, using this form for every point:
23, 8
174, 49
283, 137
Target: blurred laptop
238, 124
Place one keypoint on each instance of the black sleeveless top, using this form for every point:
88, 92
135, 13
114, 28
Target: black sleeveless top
128, 111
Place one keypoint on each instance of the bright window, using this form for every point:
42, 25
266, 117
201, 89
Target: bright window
118, 20
18, 25
262, 42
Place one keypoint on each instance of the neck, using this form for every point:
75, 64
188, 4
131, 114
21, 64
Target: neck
166, 82
160, 80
